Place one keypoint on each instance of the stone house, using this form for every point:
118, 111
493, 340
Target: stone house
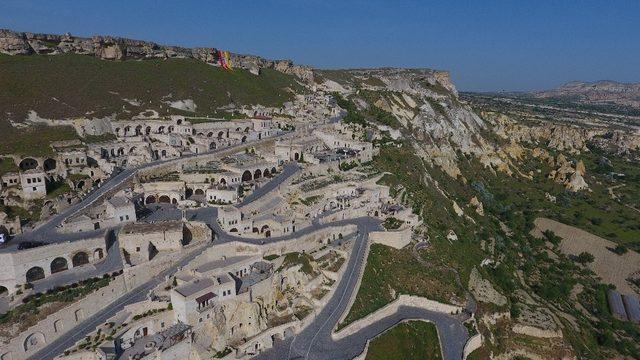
34, 185
143, 241
194, 302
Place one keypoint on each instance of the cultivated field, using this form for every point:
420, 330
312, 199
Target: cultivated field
612, 268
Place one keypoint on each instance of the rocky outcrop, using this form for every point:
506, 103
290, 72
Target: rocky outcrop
116, 48
484, 291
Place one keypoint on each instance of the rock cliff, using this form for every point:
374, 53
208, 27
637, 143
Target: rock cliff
116, 48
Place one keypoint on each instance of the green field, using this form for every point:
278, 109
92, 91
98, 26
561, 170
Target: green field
406, 341
390, 271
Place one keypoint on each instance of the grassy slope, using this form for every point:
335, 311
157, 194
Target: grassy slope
83, 84
410, 340
72, 86
390, 270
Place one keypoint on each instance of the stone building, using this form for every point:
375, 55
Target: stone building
119, 209
143, 241
194, 302
34, 184
10, 179
226, 195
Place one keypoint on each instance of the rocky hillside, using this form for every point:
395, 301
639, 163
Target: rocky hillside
422, 104
603, 92
116, 48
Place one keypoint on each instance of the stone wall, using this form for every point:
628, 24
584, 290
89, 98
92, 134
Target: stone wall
58, 324
139, 274
14, 265
394, 239
309, 242
392, 308
474, 343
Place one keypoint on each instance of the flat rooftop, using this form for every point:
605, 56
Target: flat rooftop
138, 228
195, 286
222, 263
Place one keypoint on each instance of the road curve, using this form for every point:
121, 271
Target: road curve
315, 341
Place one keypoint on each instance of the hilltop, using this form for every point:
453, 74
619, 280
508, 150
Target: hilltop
604, 92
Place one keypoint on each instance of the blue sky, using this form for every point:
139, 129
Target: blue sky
487, 45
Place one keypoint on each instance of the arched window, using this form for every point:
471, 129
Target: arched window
59, 264
35, 273
80, 258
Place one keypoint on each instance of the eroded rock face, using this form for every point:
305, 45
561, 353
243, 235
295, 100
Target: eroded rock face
13, 43
115, 48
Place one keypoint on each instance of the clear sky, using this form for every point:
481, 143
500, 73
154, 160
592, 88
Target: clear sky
487, 45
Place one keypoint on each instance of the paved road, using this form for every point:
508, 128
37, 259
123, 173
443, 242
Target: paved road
315, 341
137, 294
208, 215
47, 231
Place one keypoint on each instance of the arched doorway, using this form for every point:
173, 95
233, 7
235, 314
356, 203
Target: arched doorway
174, 201
233, 230
220, 134
59, 264
150, 199
212, 146
257, 174
266, 173
164, 199
296, 156
28, 164
273, 170
246, 176
35, 273
80, 258
49, 165
244, 139
3, 290
139, 130
188, 192
199, 192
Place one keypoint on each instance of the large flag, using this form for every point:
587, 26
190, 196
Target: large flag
228, 60
221, 59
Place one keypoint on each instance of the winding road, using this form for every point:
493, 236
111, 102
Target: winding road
313, 342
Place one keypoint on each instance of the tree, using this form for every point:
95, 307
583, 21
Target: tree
585, 258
